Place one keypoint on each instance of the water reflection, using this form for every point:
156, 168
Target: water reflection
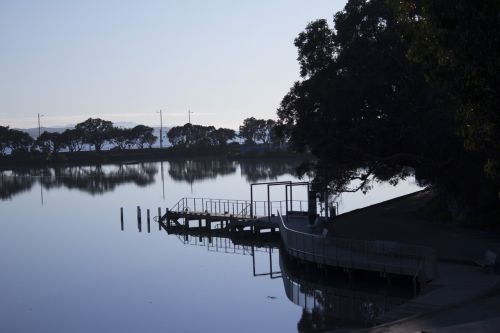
100, 179
330, 299
256, 170
198, 170
97, 179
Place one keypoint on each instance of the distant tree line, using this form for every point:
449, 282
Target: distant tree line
93, 132
252, 131
96, 132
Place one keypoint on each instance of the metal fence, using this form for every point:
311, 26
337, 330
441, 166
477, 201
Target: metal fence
380, 256
242, 208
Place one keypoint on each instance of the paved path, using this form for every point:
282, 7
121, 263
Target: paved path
462, 297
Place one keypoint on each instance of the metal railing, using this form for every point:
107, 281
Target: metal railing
380, 256
241, 208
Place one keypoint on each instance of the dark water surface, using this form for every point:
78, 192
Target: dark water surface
65, 265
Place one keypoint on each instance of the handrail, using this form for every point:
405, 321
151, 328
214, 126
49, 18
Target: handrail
389, 257
244, 211
177, 204
235, 207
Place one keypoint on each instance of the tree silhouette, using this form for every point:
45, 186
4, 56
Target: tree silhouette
95, 131
370, 113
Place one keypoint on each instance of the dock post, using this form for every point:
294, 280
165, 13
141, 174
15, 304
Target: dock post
149, 221
121, 217
199, 223
159, 218
166, 218
139, 226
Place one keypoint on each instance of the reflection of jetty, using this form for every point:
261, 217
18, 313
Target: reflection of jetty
330, 300
299, 238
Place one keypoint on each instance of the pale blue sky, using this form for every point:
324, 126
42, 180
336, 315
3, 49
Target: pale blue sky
124, 60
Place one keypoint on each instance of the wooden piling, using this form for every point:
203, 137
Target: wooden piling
149, 221
139, 224
159, 218
121, 217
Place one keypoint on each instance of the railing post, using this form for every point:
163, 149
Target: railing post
251, 201
268, 203
159, 218
286, 200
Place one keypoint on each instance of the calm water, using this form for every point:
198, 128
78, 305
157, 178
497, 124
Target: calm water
66, 266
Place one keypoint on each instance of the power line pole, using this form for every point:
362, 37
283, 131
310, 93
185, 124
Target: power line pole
39, 127
161, 129
189, 116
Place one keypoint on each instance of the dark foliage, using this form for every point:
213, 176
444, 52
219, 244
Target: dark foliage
198, 135
371, 113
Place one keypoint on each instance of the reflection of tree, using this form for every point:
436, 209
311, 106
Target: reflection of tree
200, 169
11, 185
255, 170
95, 179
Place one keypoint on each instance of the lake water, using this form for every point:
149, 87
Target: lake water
66, 265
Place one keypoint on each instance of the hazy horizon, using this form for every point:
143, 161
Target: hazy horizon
124, 61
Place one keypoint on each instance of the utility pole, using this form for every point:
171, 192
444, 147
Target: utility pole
39, 127
189, 116
161, 129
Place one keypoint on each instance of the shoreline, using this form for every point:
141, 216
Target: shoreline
40, 160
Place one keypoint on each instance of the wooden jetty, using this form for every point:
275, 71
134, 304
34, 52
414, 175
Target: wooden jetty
224, 214
292, 220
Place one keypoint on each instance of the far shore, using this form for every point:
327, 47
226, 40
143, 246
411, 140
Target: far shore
235, 152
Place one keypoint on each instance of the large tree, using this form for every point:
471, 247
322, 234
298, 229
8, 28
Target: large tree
4, 139
221, 136
72, 139
257, 130
95, 131
49, 142
14, 140
368, 112
458, 43
143, 135
20, 141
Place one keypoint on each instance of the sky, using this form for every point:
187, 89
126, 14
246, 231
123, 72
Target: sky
123, 61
